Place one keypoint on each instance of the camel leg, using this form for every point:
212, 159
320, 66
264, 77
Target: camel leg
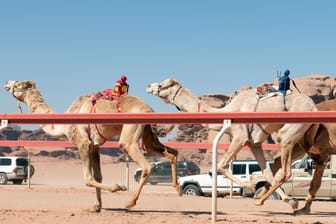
134, 152
314, 186
223, 165
89, 166
129, 143
153, 145
95, 155
285, 174
289, 136
172, 155
259, 155
296, 154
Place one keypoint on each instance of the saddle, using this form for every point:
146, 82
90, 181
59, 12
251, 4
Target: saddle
107, 94
265, 90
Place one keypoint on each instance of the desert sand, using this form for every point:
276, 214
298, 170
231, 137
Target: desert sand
57, 194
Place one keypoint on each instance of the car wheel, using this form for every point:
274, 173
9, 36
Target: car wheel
192, 190
273, 196
18, 181
3, 178
32, 171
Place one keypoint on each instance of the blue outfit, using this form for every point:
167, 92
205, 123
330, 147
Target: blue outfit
284, 84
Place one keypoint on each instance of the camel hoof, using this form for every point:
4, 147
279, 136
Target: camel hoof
294, 204
130, 204
179, 190
121, 187
258, 202
94, 209
302, 211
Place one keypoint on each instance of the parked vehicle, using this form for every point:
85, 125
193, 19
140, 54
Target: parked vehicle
298, 185
161, 172
201, 184
15, 169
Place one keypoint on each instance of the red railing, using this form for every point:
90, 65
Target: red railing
173, 118
177, 145
163, 118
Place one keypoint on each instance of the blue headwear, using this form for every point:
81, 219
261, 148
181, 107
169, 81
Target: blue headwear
286, 73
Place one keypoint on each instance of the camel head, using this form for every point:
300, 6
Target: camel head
164, 89
19, 88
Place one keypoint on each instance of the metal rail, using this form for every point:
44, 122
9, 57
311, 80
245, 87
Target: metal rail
111, 144
172, 118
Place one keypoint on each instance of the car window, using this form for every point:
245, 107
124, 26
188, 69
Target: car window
239, 169
253, 168
192, 165
166, 166
5, 162
159, 166
181, 165
21, 162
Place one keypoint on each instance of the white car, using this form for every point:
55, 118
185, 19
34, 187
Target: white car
15, 169
201, 184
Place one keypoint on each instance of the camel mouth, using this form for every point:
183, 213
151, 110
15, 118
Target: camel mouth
7, 88
150, 90
9, 85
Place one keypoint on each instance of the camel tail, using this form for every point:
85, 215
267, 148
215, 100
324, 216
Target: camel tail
161, 131
151, 142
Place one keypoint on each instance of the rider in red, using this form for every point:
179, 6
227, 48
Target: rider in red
121, 86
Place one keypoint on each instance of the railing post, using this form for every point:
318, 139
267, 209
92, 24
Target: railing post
226, 125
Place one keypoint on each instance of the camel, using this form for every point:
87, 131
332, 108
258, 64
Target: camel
318, 147
252, 135
88, 137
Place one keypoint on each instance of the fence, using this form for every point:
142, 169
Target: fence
173, 118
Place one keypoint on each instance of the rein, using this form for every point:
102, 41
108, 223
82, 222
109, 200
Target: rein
259, 125
93, 110
178, 90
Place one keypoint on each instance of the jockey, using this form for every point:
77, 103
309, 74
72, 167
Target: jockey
121, 86
284, 82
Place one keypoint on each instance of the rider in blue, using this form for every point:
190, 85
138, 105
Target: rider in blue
284, 81
284, 84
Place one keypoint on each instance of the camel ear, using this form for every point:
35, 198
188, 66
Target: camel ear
31, 84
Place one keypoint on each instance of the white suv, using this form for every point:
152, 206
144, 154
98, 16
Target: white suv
15, 169
201, 184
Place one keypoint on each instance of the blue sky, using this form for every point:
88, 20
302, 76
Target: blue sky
71, 48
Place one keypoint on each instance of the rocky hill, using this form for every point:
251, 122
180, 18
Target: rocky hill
318, 87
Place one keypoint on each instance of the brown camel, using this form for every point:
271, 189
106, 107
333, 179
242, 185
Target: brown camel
252, 135
88, 137
318, 146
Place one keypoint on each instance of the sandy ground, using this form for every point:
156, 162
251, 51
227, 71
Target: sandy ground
57, 195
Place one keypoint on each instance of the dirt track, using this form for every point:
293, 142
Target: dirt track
58, 195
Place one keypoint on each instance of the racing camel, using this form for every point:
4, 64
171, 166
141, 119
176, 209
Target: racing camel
88, 137
253, 135
319, 146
